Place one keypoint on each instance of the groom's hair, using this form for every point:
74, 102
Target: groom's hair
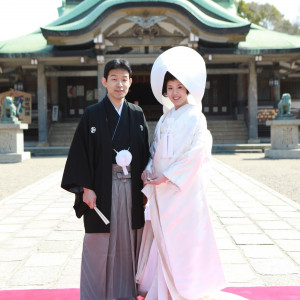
117, 64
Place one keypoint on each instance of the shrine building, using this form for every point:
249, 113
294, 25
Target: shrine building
61, 64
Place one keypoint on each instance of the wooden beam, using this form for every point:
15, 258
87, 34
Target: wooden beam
227, 71
92, 73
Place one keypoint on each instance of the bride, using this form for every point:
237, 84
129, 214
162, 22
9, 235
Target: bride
179, 259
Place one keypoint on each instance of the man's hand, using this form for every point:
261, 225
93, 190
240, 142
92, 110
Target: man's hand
89, 197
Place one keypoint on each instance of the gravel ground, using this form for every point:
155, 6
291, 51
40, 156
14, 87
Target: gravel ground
282, 175
16, 176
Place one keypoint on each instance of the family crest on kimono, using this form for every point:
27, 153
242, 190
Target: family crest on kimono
179, 258
109, 151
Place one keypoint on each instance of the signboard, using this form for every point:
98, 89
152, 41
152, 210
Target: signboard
55, 113
89, 95
22, 102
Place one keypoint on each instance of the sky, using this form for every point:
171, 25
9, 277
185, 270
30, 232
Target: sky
289, 8
20, 17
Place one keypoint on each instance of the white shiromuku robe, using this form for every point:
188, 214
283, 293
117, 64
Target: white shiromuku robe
179, 260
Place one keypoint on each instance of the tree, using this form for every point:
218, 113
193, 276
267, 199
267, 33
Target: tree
267, 16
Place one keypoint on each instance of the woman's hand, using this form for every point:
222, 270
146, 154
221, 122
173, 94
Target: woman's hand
157, 179
89, 197
146, 175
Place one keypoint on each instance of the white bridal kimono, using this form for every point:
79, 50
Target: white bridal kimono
179, 260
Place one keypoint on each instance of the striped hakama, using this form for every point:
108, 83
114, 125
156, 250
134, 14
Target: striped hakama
109, 259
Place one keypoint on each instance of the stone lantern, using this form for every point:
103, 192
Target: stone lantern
11, 135
284, 132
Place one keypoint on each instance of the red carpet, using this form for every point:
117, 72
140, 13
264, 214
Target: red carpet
252, 293
266, 292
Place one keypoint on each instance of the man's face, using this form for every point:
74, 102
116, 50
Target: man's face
117, 84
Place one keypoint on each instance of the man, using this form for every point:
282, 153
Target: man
106, 128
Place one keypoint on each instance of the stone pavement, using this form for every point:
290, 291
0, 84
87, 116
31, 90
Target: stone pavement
257, 232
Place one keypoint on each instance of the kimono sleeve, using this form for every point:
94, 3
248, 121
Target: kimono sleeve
146, 137
153, 146
78, 172
196, 159
149, 165
146, 141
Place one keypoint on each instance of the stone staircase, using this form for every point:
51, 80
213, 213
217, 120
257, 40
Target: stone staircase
223, 132
228, 131
230, 136
61, 134
151, 126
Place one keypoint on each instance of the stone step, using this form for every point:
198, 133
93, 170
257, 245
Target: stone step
229, 135
225, 125
240, 128
65, 124
57, 141
228, 131
60, 144
230, 141
61, 134
218, 124
233, 142
63, 128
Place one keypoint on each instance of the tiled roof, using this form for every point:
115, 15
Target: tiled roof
261, 38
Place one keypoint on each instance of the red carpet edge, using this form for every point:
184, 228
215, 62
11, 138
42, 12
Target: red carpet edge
252, 293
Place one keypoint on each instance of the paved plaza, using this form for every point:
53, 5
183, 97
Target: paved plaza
257, 230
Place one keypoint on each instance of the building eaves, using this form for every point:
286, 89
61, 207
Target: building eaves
90, 21
33, 43
35, 46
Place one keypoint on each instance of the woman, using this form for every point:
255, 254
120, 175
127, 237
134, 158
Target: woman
179, 258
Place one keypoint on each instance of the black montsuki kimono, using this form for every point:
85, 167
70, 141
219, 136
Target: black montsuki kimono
90, 158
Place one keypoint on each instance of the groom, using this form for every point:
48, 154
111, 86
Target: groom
91, 172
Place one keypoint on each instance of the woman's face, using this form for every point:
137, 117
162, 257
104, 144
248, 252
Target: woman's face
177, 93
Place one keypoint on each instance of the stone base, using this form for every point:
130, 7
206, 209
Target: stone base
284, 134
282, 153
14, 157
253, 141
42, 144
